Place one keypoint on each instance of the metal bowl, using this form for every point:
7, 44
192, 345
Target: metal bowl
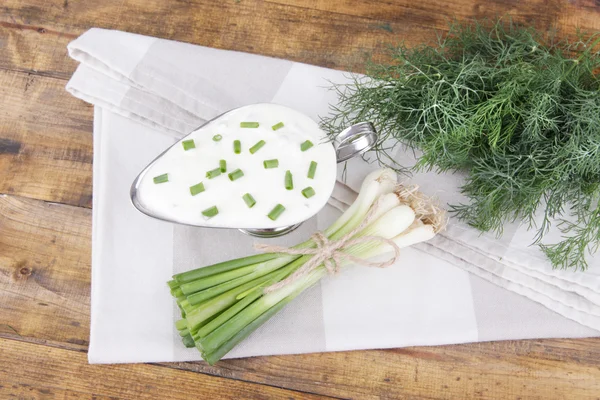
351, 142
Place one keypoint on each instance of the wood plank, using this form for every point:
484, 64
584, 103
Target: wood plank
44, 298
45, 252
22, 391
297, 33
534, 369
566, 16
333, 34
44, 372
45, 140
35, 49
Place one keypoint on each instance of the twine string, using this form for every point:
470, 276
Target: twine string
332, 253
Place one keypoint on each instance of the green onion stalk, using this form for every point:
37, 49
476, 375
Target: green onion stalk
222, 304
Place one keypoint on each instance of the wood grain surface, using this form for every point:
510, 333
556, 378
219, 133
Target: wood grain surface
36, 370
45, 199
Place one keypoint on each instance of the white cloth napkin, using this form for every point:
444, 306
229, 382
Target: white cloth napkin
149, 91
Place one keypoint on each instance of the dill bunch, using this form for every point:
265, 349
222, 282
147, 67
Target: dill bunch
518, 113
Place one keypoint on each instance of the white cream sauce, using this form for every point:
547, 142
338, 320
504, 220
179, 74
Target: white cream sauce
172, 200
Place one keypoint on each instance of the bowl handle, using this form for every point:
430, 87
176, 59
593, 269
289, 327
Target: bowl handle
354, 141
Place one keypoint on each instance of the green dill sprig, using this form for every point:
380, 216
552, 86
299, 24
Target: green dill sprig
518, 113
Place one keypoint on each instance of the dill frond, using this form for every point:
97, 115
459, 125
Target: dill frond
519, 114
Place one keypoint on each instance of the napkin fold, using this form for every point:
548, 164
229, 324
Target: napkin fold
521, 270
462, 286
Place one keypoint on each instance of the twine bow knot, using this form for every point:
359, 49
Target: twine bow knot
330, 253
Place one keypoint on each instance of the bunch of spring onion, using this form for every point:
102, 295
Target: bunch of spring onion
223, 303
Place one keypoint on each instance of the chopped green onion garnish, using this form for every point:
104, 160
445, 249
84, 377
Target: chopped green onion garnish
161, 178
274, 163
198, 188
289, 182
276, 212
249, 124
306, 145
308, 192
188, 144
257, 146
312, 169
237, 174
237, 147
278, 125
223, 165
213, 173
217, 138
210, 212
250, 202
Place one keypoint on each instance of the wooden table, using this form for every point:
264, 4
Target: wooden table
46, 192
